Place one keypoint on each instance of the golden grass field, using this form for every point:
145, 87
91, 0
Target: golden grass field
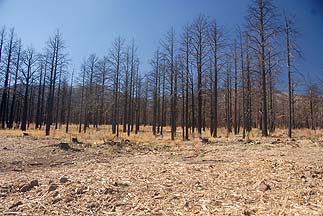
104, 132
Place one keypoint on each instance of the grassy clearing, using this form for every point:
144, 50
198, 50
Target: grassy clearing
97, 136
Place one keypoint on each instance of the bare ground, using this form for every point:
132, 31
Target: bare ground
265, 177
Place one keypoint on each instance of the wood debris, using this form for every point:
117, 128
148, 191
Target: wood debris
126, 178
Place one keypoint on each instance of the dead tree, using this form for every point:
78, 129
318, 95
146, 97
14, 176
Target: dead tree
133, 66
116, 55
186, 53
55, 48
169, 47
39, 93
163, 103
28, 72
14, 94
5, 97
228, 98
89, 106
145, 104
182, 72
199, 42
235, 115
2, 41
138, 99
248, 87
262, 27
58, 97
216, 43
42, 109
103, 69
292, 50
69, 103
156, 91
243, 80
126, 90
271, 93
81, 118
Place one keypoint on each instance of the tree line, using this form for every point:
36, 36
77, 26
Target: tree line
202, 78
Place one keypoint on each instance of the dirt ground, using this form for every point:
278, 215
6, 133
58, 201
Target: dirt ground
274, 176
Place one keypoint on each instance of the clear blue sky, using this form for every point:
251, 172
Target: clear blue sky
89, 26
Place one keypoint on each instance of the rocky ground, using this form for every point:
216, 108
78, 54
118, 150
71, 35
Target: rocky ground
223, 177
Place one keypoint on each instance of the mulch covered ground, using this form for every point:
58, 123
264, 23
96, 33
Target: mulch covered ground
222, 177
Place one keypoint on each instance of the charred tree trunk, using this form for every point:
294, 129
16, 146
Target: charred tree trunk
13, 101
39, 96
82, 99
4, 99
235, 120
69, 104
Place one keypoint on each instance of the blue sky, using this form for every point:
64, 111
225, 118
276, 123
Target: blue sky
89, 26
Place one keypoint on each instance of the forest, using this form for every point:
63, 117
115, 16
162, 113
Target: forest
200, 78
223, 122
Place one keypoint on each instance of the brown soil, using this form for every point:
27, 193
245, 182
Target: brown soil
222, 177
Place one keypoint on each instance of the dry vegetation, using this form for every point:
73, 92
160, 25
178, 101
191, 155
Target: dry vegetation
146, 175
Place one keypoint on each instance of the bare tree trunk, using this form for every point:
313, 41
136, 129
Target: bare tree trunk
130, 108
69, 103
183, 104
138, 93
13, 101
215, 39
264, 130
204, 110
39, 96
58, 97
43, 95
155, 103
235, 121
145, 103
289, 81
228, 99
29, 61
116, 56
271, 96
243, 90
56, 45
163, 98
30, 115
4, 100
248, 117
193, 104
82, 98
126, 96
200, 29
2, 39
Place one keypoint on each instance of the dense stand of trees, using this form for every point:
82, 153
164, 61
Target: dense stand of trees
201, 78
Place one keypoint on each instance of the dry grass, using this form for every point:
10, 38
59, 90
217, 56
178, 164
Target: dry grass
104, 132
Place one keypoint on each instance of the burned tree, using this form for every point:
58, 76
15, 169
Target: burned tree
116, 55
55, 49
29, 60
14, 94
169, 49
199, 42
4, 100
262, 27
69, 103
292, 51
216, 41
